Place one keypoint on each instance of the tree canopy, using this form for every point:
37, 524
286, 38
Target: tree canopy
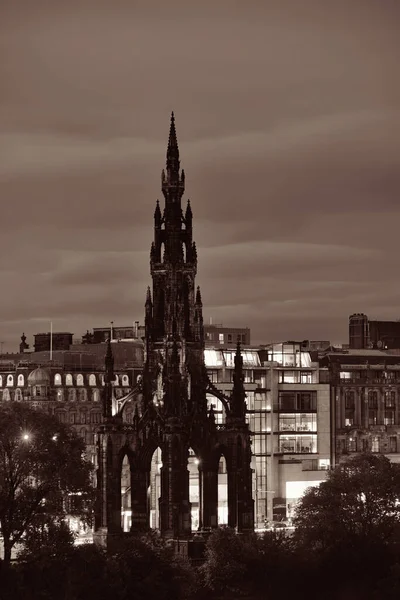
358, 502
42, 467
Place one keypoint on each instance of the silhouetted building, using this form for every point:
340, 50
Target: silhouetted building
215, 335
58, 341
174, 443
364, 333
101, 334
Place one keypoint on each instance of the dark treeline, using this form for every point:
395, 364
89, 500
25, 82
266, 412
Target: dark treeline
236, 566
346, 545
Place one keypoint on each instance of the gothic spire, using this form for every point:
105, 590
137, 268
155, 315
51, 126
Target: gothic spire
148, 295
108, 379
198, 296
157, 215
109, 363
238, 397
172, 150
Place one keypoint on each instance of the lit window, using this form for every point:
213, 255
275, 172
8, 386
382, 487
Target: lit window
79, 380
57, 379
345, 375
375, 444
20, 380
324, 463
10, 380
68, 379
92, 379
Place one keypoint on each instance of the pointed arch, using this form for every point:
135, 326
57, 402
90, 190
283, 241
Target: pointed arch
21, 380
79, 379
57, 379
18, 395
68, 379
92, 379
10, 380
6, 395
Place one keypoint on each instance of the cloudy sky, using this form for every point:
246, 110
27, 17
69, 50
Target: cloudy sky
288, 122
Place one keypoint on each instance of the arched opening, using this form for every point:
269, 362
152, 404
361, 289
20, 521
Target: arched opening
126, 500
222, 492
194, 488
154, 491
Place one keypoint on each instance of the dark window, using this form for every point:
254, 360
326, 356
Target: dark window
393, 443
302, 401
372, 399
389, 417
390, 399
213, 375
349, 400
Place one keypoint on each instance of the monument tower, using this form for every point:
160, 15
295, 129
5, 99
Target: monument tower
170, 402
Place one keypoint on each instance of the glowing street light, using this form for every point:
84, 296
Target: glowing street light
26, 437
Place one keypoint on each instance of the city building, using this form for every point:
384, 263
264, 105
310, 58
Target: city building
364, 333
365, 390
215, 335
58, 340
101, 334
288, 412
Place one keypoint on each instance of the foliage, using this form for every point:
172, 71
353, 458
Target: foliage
356, 506
42, 466
50, 538
246, 564
142, 568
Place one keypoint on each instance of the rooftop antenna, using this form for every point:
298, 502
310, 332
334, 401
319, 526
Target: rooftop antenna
51, 340
111, 331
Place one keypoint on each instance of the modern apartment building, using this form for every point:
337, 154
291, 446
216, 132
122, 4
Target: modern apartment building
288, 412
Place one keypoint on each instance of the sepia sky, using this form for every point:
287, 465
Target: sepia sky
288, 120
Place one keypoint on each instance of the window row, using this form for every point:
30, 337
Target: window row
302, 401
91, 380
69, 380
372, 398
374, 444
79, 418
298, 377
71, 395
298, 422
298, 444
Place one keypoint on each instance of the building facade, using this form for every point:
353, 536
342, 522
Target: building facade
365, 392
365, 333
218, 335
288, 412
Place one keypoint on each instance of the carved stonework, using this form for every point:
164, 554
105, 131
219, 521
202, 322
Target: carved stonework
173, 411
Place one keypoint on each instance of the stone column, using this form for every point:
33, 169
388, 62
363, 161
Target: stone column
140, 481
175, 508
209, 500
